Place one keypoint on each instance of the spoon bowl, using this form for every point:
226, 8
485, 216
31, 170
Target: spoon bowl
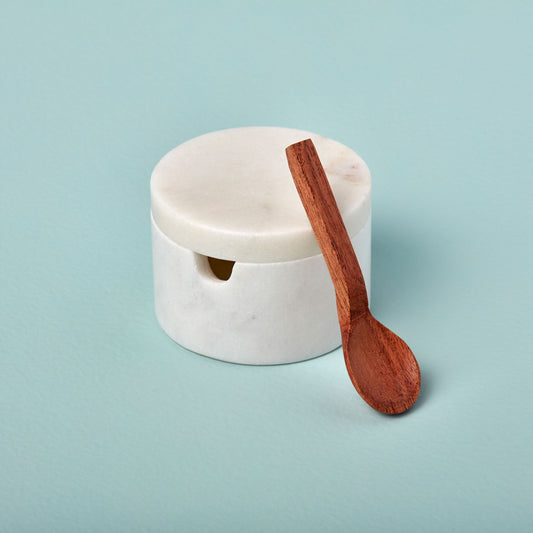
381, 366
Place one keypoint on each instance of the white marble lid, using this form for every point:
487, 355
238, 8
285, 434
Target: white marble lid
229, 194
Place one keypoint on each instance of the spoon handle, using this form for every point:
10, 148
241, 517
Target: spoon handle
319, 203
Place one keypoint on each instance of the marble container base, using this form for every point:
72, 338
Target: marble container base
263, 314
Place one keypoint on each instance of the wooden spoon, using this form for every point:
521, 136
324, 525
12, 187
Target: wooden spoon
381, 366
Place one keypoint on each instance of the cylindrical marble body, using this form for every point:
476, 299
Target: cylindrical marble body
229, 195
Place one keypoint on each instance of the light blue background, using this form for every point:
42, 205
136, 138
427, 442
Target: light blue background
107, 425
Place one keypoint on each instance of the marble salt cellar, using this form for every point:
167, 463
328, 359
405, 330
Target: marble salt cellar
238, 274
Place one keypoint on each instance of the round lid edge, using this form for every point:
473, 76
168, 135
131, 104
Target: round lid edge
229, 194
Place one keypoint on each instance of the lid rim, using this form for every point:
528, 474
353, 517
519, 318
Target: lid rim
245, 242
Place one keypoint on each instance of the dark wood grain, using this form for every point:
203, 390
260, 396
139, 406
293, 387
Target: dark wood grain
380, 364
